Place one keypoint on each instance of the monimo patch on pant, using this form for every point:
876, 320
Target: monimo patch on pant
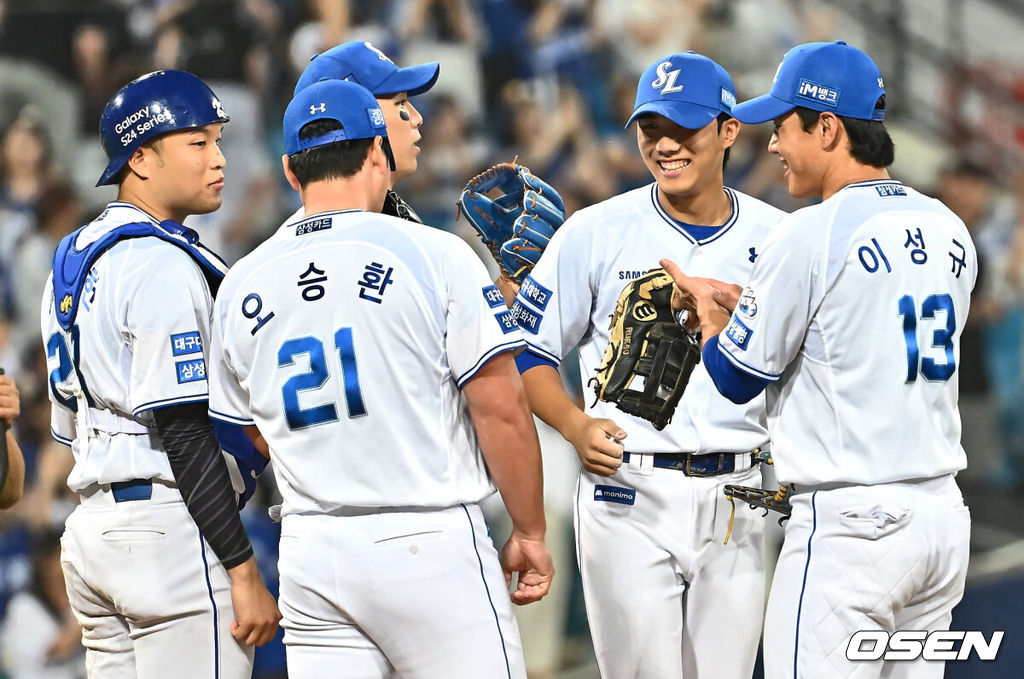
624, 496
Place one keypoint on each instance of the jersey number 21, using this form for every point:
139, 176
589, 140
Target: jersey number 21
316, 377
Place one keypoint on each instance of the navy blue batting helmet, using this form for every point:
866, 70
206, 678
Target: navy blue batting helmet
151, 105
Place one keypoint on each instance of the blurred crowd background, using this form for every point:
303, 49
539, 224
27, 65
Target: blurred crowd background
549, 81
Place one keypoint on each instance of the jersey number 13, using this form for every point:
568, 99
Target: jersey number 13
942, 338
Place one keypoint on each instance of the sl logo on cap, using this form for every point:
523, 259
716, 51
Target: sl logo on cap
380, 55
322, 108
667, 78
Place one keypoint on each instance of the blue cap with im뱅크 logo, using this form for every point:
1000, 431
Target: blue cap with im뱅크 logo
689, 89
821, 76
361, 62
351, 105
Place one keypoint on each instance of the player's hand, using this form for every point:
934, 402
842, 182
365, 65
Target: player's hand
10, 402
727, 295
256, 612
714, 300
529, 558
598, 442
508, 288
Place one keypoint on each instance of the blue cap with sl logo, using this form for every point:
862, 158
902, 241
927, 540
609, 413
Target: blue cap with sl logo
689, 89
821, 76
365, 64
351, 105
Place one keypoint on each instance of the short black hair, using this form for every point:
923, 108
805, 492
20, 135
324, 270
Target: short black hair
870, 142
337, 160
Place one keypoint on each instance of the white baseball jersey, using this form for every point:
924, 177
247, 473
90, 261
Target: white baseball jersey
137, 343
346, 338
854, 313
570, 296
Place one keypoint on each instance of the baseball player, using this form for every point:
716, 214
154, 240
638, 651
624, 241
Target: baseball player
868, 436
364, 64
13, 463
371, 356
662, 591
159, 571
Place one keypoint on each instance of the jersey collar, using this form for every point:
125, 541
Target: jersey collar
299, 218
681, 231
135, 208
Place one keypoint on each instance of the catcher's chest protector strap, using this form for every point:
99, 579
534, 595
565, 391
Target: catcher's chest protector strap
71, 266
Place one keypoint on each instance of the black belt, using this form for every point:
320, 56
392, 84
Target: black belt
711, 464
136, 489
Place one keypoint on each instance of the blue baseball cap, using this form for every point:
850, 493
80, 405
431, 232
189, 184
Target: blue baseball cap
365, 64
350, 104
689, 89
821, 76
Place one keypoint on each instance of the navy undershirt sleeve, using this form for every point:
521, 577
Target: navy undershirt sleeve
527, 359
734, 384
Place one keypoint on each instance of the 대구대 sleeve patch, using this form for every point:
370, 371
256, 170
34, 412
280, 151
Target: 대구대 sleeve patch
186, 343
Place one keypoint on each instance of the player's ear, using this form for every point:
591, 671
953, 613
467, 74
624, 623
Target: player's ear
293, 181
141, 162
730, 131
378, 158
828, 131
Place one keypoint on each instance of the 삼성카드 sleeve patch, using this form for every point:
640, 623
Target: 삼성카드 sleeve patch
506, 321
191, 371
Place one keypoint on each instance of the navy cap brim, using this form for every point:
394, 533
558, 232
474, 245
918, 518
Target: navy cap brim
690, 116
113, 169
412, 80
761, 109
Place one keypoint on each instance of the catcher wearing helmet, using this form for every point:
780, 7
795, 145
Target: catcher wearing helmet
158, 568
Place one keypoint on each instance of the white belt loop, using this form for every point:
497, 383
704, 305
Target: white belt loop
743, 461
641, 463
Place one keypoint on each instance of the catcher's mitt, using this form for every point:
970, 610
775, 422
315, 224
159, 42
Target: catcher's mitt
647, 341
517, 225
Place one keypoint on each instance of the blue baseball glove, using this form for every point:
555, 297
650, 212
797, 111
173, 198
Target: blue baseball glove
518, 224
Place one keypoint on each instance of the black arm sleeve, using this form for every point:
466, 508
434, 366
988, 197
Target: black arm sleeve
203, 479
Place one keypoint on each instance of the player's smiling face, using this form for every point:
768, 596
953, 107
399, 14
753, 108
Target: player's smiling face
186, 172
684, 162
403, 121
799, 152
